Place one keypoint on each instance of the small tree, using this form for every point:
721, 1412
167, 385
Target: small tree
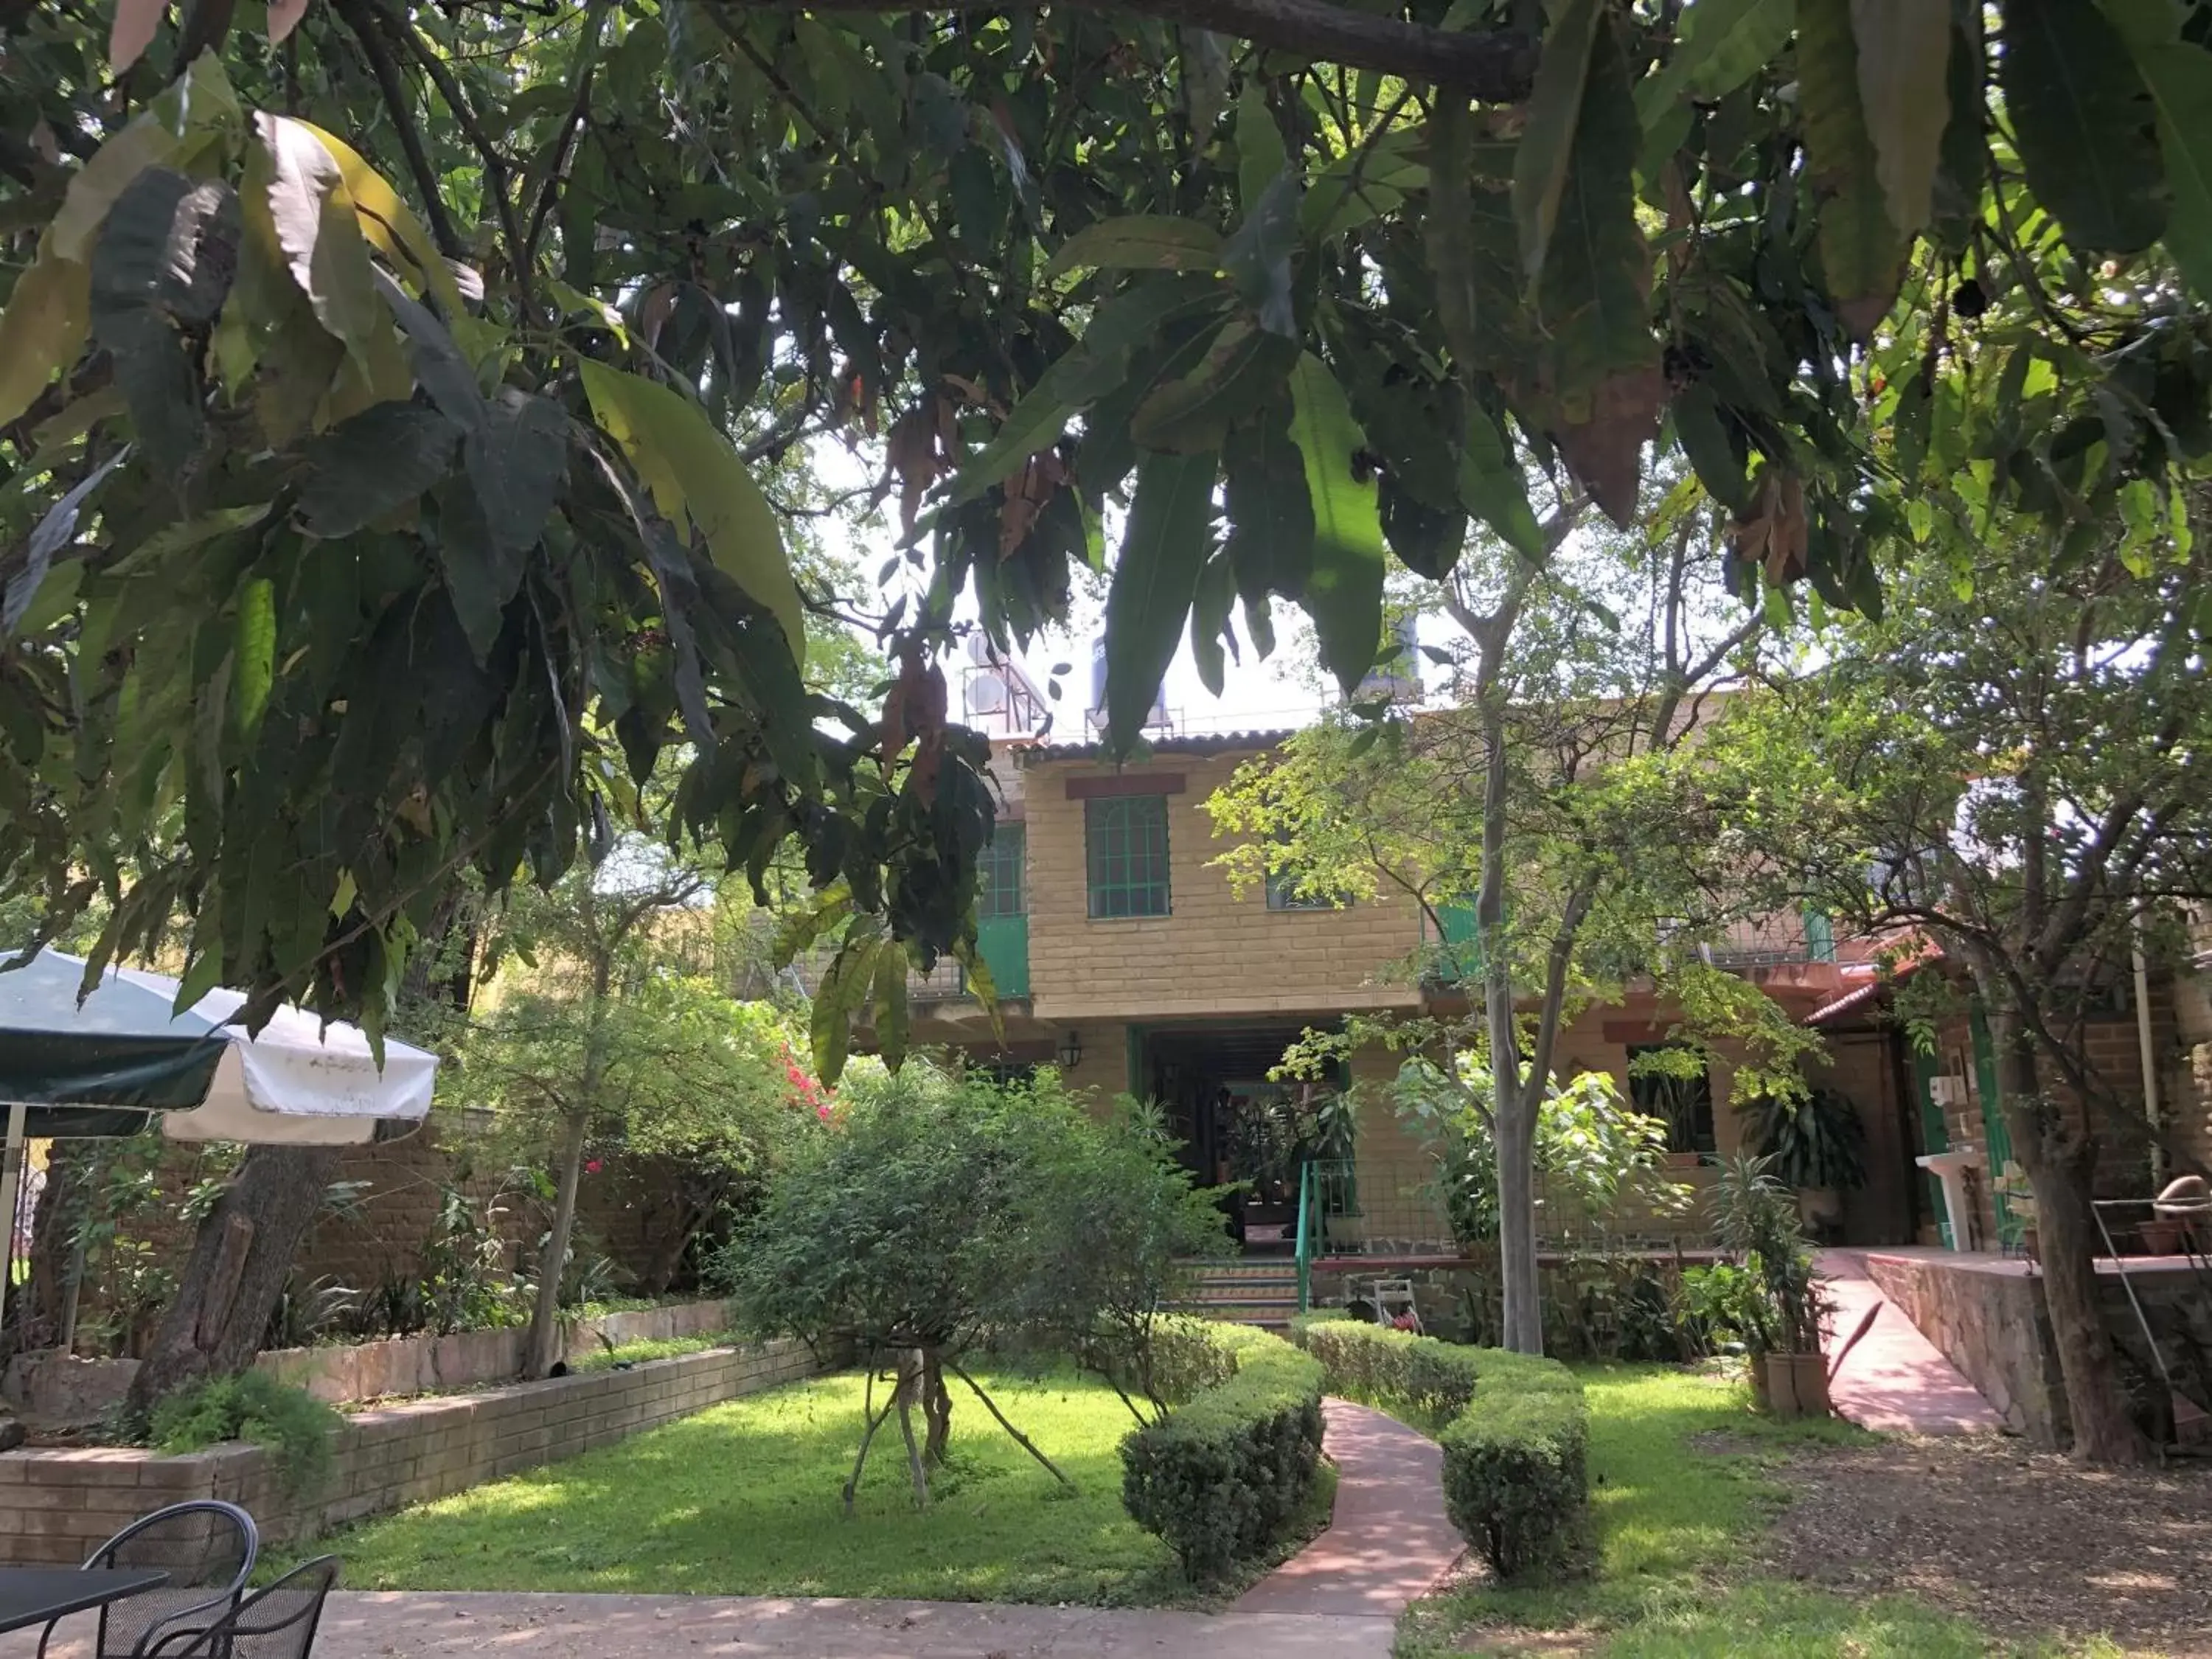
940, 1212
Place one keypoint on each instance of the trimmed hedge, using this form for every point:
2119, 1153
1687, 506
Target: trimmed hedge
1220, 1478
1516, 1444
1429, 1381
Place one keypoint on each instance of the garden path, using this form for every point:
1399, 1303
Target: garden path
1389, 1540
1893, 1380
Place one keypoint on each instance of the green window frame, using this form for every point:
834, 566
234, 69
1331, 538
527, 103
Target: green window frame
1002, 889
1125, 840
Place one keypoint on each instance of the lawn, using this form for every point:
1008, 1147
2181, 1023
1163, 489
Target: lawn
743, 1500
1681, 1491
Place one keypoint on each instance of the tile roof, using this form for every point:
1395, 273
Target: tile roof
1198, 742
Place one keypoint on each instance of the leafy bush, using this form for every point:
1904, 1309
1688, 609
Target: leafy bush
1516, 1431
1516, 1462
1220, 1477
1184, 1355
1430, 1382
294, 1426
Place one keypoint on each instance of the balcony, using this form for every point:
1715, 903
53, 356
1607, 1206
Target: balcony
1003, 942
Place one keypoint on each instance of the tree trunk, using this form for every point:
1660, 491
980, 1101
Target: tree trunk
544, 1344
2059, 1163
53, 1228
936, 1410
239, 1262
1522, 1306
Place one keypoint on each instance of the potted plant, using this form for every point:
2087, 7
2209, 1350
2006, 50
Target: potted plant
1813, 1142
1757, 1221
1728, 1304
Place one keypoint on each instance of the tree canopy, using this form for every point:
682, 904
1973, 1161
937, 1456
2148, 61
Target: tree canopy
386, 391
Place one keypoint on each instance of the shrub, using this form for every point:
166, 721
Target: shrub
1516, 1433
1430, 1382
1516, 1462
294, 1426
1220, 1478
1184, 1354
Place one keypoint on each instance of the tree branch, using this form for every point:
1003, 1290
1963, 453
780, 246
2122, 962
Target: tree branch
1498, 66
359, 19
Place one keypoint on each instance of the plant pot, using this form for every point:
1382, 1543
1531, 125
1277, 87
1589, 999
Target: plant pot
1684, 1160
1821, 1206
2161, 1236
1797, 1384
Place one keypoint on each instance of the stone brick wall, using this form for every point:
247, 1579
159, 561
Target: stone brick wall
1988, 1320
55, 1506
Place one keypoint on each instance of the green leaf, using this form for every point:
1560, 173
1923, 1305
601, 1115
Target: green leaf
2084, 124
178, 536
1243, 369
372, 464
1097, 365
689, 467
891, 1012
1704, 439
1904, 52
1344, 596
2180, 76
1209, 620
252, 655
1258, 256
319, 230
1547, 141
1260, 157
1164, 547
1862, 253
516, 460
1140, 242
42, 330
1491, 487
1718, 46
1271, 535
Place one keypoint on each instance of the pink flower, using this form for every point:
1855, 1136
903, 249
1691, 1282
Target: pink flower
823, 1111
594, 1166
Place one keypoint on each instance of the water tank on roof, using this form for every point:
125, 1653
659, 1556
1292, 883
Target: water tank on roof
1397, 678
1155, 717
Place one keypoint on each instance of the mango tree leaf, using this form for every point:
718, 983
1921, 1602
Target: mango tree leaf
1904, 52
1491, 487
1140, 242
42, 330
1547, 141
1718, 46
1344, 596
319, 231
1243, 368
169, 244
1258, 256
2084, 123
387, 220
1704, 438
1260, 157
2179, 78
891, 1012
1087, 371
49, 536
1861, 251
690, 467
144, 143
516, 460
1209, 620
372, 464
252, 654
1271, 516
1164, 547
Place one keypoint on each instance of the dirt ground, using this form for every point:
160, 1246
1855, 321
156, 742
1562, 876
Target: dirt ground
2026, 1543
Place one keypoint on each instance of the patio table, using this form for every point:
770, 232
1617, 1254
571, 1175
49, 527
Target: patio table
32, 1596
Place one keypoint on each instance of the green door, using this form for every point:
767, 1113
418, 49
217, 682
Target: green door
1002, 911
1934, 1137
1997, 1139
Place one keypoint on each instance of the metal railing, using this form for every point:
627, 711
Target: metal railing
1380, 1214
1305, 1238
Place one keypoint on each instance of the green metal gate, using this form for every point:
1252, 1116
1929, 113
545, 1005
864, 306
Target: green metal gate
1997, 1139
1935, 1138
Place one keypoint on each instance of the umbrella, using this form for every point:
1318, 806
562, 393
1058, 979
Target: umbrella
101, 1066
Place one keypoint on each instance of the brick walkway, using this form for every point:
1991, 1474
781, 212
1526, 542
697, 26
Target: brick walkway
1895, 1380
1389, 1540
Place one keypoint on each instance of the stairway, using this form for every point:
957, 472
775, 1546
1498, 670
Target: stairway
1245, 1292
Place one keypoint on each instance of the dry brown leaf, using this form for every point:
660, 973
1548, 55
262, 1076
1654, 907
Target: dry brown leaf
132, 32
1027, 493
284, 16
1605, 451
913, 456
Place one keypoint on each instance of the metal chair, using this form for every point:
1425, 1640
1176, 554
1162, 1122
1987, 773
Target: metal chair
207, 1548
276, 1623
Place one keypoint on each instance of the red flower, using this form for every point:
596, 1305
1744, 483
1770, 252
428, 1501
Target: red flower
594, 1165
823, 1111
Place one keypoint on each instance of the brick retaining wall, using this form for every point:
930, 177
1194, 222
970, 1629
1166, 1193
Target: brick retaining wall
55, 1505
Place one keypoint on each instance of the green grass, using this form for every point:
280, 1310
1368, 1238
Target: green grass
651, 1347
1676, 1525
743, 1500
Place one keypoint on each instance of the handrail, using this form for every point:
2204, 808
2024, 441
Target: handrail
1305, 1238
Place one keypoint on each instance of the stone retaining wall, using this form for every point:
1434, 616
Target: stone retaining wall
1991, 1325
61, 1389
56, 1505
